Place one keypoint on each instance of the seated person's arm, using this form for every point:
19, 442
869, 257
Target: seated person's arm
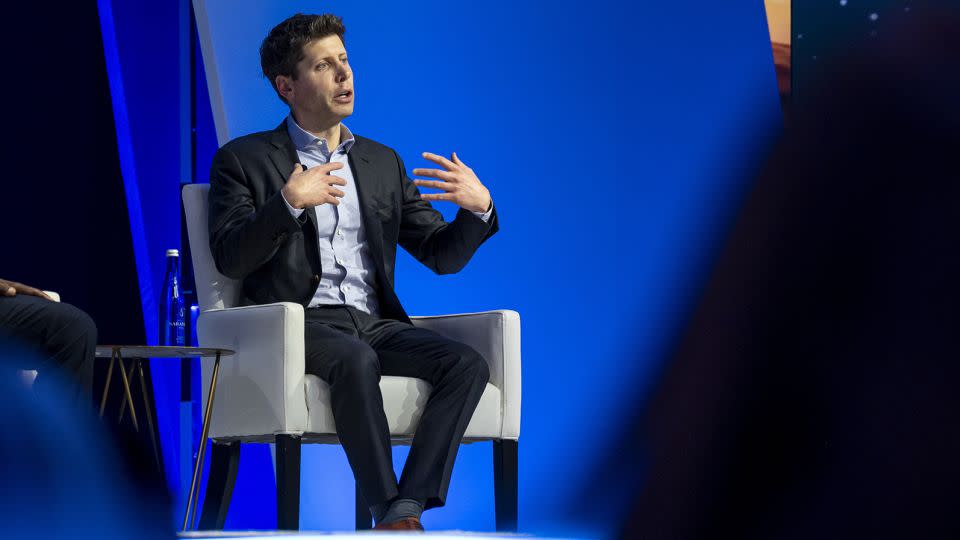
445, 247
12, 288
243, 237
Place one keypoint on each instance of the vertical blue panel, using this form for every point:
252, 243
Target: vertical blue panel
140, 44
614, 138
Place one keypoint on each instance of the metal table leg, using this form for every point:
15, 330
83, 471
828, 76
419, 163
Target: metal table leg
126, 391
123, 405
106, 386
198, 465
147, 395
147, 400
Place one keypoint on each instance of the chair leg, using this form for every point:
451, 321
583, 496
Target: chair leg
288, 482
505, 484
224, 463
364, 520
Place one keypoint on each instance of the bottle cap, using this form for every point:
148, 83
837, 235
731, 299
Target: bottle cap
173, 253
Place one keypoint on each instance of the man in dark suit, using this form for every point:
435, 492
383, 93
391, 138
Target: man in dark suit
311, 213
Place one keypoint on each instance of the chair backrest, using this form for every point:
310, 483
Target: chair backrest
214, 290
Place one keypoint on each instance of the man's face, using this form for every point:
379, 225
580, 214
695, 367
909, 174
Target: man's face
322, 93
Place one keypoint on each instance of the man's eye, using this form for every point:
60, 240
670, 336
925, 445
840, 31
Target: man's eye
321, 66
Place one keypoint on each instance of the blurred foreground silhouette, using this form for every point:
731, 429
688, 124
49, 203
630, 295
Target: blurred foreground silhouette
815, 392
66, 473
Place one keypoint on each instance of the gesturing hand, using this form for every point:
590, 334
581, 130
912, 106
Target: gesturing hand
457, 181
12, 288
313, 187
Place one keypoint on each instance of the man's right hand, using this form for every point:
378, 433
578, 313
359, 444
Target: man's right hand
12, 288
313, 187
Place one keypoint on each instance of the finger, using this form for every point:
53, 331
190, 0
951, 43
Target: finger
335, 180
435, 173
33, 291
440, 160
297, 168
9, 291
37, 292
457, 160
30, 291
446, 186
336, 192
20, 288
333, 200
327, 167
437, 196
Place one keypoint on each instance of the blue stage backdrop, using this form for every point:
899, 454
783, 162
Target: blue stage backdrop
615, 138
140, 48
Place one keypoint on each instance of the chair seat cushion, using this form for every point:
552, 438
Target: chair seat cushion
403, 401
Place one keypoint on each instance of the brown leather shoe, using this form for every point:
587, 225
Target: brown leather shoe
405, 524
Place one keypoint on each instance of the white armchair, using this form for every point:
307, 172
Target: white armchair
263, 394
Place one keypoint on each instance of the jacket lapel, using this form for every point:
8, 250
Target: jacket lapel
368, 195
365, 177
284, 157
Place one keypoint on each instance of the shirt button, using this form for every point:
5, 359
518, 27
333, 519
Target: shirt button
315, 279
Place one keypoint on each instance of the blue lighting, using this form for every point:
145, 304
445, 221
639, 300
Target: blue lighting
615, 139
128, 169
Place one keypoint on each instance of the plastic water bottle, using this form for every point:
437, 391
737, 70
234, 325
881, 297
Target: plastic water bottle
173, 316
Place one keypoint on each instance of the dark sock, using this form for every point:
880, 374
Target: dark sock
402, 508
379, 510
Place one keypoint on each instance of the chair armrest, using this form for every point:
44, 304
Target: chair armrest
260, 389
496, 336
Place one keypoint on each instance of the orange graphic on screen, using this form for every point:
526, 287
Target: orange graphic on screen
778, 21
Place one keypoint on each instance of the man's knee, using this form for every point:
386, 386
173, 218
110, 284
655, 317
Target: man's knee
472, 365
84, 326
73, 327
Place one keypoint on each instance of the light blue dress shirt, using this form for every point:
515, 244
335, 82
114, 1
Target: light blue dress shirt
349, 273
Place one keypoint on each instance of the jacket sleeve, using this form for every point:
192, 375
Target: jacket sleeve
243, 237
442, 247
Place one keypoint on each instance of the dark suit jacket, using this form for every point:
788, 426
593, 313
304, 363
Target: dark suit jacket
254, 238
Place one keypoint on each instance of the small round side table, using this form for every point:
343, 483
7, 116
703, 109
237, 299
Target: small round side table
141, 355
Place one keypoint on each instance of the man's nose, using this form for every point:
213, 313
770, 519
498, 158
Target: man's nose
343, 74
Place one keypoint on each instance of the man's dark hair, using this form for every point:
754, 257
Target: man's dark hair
282, 49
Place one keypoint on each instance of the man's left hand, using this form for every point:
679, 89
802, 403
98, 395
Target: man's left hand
457, 181
12, 288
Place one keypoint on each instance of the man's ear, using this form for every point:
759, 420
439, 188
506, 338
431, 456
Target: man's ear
284, 86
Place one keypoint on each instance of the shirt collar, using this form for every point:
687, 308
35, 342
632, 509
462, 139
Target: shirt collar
302, 138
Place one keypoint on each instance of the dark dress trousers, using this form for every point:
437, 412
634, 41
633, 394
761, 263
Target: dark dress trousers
56, 339
254, 238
